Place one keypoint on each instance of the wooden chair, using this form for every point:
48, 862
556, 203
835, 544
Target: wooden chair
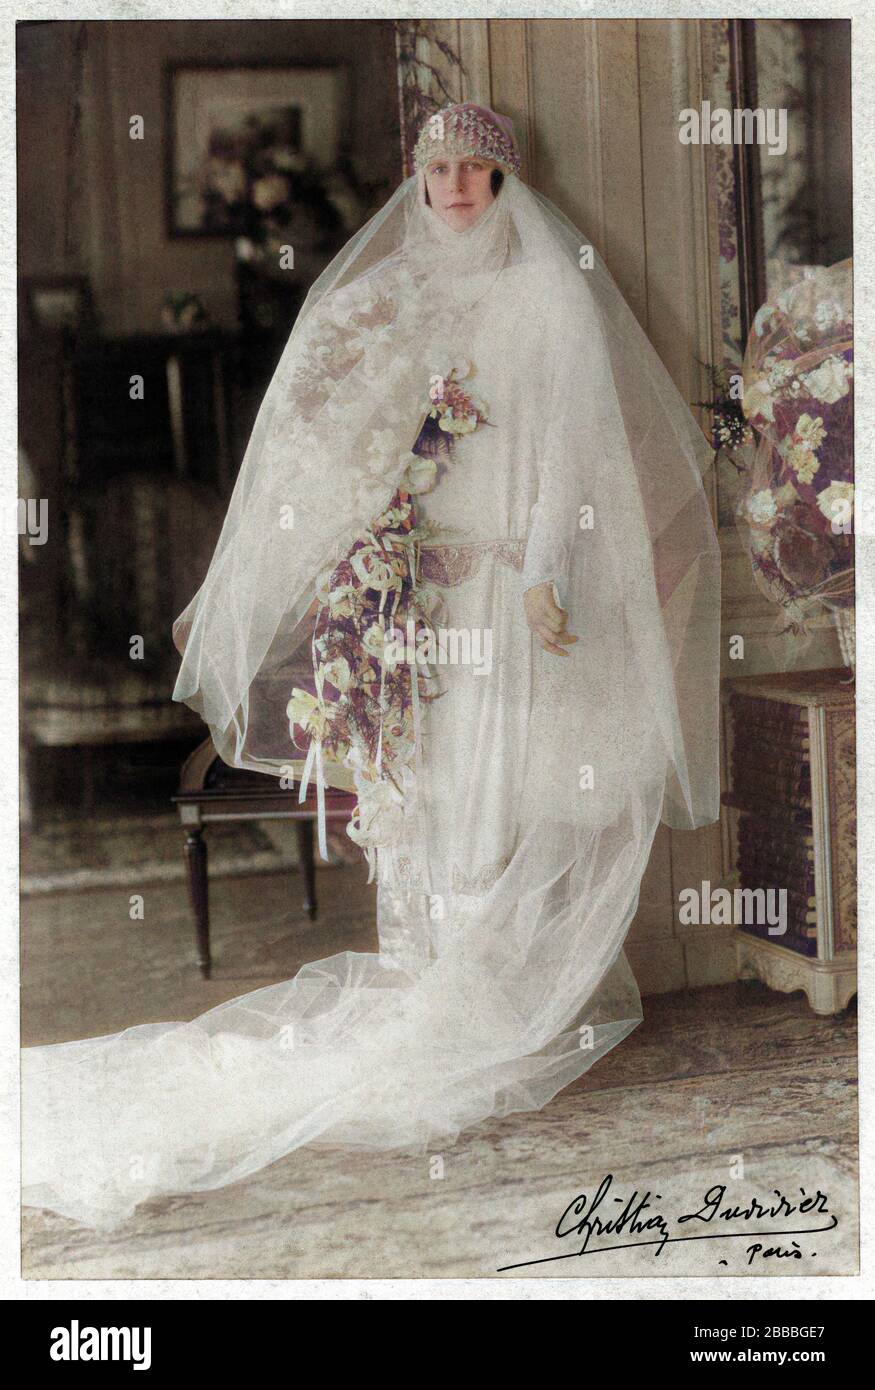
136, 499
210, 791
138, 546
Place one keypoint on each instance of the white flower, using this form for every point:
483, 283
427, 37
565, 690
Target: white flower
810, 431
837, 503
803, 461
762, 506
337, 673
779, 373
828, 313
830, 381
457, 424
374, 641
303, 709
395, 516
377, 569
757, 401
269, 191
379, 817
420, 474
763, 320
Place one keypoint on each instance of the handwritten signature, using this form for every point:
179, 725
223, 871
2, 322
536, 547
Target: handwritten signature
640, 1218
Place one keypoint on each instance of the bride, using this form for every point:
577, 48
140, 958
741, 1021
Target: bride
468, 563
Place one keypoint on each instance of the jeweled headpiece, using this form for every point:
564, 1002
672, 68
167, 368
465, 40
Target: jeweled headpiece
467, 129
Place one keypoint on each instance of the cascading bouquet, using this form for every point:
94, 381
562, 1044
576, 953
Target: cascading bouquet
364, 710
796, 510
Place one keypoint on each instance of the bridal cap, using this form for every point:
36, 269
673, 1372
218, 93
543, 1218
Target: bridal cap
468, 129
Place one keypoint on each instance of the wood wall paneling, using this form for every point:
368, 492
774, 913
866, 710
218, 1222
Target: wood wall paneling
510, 81
602, 99
621, 155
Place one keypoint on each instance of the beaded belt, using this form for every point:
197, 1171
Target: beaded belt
449, 565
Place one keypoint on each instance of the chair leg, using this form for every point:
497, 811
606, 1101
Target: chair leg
199, 894
308, 866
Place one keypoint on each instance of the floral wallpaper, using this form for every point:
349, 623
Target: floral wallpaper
782, 83
720, 167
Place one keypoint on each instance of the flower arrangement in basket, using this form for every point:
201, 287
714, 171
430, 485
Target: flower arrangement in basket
796, 509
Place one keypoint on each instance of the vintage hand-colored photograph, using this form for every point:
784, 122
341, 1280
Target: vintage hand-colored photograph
438, 704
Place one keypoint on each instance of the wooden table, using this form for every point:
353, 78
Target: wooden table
210, 791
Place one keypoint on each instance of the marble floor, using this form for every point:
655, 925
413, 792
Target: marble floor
729, 1086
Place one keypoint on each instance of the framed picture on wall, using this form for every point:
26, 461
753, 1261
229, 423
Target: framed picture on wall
246, 144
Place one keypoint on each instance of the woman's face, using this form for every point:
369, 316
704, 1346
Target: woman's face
460, 189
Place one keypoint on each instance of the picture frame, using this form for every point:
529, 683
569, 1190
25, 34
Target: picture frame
235, 130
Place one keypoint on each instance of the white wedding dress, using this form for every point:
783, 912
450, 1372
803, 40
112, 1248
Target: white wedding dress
501, 522
506, 894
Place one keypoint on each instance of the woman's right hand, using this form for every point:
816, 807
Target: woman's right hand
547, 620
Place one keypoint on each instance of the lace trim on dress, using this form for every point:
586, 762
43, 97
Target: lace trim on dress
481, 881
449, 565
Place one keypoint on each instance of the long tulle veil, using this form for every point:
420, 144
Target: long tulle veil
531, 985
